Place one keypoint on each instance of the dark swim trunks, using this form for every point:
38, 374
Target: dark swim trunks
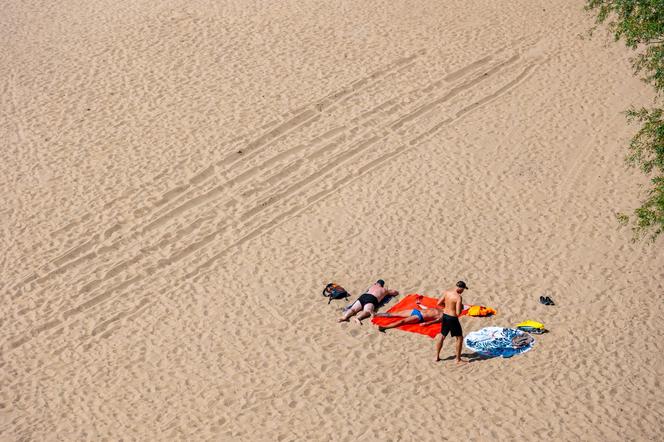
450, 324
417, 313
368, 298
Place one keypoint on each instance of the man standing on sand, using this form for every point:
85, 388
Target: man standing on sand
367, 303
452, 305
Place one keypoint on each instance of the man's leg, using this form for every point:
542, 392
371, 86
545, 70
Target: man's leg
399, 314
439, 346
408, 320
459, 344
365, 313
356, 307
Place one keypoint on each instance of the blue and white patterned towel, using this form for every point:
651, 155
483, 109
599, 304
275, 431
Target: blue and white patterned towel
499, 341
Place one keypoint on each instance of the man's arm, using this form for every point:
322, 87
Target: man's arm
441, 302
418, 303
459, 306
424, 324
392, 293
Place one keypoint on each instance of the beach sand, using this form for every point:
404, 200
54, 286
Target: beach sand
181, 179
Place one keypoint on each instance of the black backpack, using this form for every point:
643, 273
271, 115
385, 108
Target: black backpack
335, 291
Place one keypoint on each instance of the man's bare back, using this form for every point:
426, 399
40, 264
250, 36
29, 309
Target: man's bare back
379, 291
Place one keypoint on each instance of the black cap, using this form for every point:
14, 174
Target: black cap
462, 285
381, 283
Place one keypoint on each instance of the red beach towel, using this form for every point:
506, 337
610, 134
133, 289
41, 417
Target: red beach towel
408, 303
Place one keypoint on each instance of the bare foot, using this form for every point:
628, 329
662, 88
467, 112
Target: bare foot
438, 359
461, 362
342, 319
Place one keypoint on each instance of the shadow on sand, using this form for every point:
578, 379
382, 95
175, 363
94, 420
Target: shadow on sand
470, 357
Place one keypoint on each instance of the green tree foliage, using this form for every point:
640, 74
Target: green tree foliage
640, 23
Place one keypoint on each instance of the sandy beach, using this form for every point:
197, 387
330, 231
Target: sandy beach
181, 179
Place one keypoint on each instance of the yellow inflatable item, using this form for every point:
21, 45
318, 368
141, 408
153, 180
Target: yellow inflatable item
531, 324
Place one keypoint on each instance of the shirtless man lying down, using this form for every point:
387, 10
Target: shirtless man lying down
421, 314
367, 303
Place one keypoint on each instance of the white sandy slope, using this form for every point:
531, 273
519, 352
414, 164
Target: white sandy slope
178, 181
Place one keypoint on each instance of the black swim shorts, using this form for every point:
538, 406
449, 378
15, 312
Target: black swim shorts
450, 324
368, 298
